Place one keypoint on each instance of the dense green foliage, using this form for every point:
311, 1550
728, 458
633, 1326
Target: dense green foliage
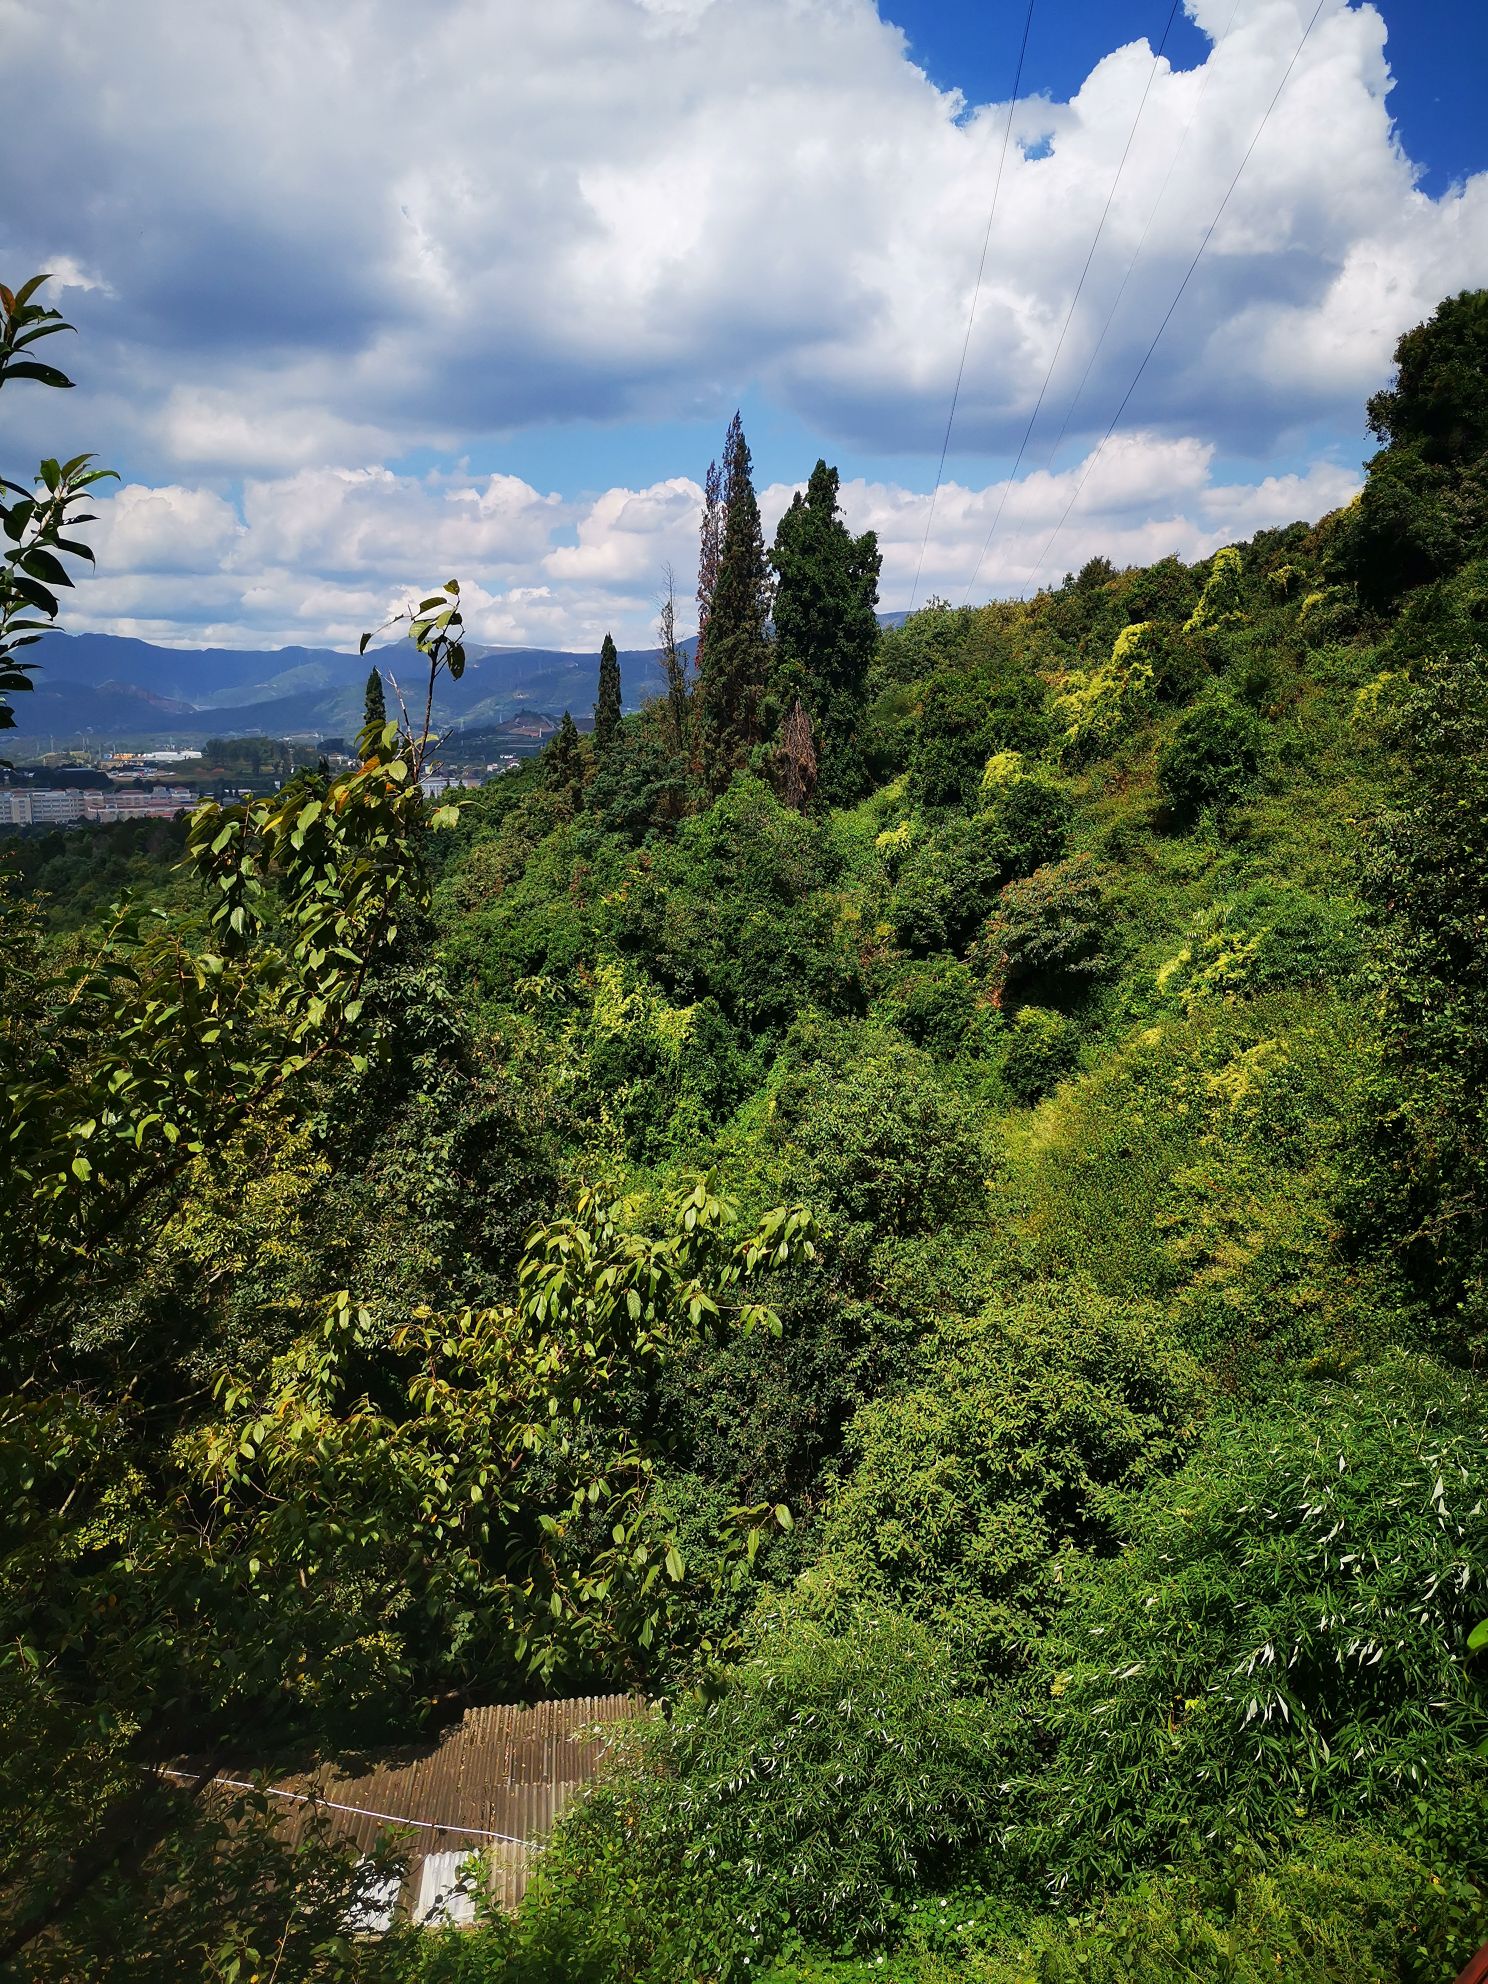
1044, 1497
826, 587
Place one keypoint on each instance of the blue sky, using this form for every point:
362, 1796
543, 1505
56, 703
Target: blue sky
337, 348
1438, 57
1438, 52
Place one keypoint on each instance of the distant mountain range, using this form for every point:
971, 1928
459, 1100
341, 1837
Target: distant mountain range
97, 688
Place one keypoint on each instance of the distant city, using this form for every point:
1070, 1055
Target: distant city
78, 789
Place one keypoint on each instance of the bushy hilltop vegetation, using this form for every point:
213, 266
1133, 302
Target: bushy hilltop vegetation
921, 1200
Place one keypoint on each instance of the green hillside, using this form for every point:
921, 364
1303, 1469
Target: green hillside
921, 1200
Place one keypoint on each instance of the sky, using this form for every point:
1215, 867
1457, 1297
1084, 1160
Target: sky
368, 299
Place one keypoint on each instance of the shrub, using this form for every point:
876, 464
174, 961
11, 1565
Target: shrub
1167, 591
1047, 931
939, 1006
740, 907
921, 644
1286, 1638
835, 1772
1099, 704
985, 704
1022, 1437
1042, 1047
1032, 816
948, 884
1427, 884
1222, 600
1212, 758
666, 1075
887, 733
1262, 940
1337, 1910
874, 1141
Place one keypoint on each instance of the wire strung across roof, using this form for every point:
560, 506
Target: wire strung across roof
358, 1811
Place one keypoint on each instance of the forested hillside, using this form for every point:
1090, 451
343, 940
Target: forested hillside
920, 1200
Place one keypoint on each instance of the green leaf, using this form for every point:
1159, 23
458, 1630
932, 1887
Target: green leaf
1477, 1639
42, 565
30, 368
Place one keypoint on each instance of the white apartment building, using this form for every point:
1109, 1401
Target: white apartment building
42, 806
38, 806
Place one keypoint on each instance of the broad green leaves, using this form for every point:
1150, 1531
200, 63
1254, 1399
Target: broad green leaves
506, 1494
35, 524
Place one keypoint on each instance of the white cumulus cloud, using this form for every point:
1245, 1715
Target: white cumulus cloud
308, 246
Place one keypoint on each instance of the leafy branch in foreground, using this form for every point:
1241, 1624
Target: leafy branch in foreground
379, 1522
146, 1055
37, 519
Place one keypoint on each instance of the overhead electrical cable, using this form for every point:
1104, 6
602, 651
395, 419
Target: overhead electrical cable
975, 296
1162, 191
1074, 301
1177, 298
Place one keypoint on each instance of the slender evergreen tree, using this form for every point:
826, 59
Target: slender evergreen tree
563, 767
736, 666
710, 544
825, 627
674, 662
374, 703
607, 709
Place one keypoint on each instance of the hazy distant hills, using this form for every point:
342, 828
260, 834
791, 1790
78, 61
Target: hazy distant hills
94, 688
108, 688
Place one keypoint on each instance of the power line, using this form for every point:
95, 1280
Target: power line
1142, 242
1177, 298
975, 295
358, 1811
1074, 302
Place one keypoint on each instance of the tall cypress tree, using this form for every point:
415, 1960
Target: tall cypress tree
736, 664
374, 703
607, 709
710, 545
679, 711
825, 628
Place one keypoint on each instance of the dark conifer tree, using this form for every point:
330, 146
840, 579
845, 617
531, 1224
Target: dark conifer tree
710, 544
563, 765
735, 669
607, 709
674, 662
374, 703
825, 629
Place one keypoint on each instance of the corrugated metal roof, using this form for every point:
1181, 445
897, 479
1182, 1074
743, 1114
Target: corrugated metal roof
494, 1782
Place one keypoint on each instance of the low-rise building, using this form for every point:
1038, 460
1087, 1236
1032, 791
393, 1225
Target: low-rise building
478, 1801
162, 803
41, 806
51, 806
